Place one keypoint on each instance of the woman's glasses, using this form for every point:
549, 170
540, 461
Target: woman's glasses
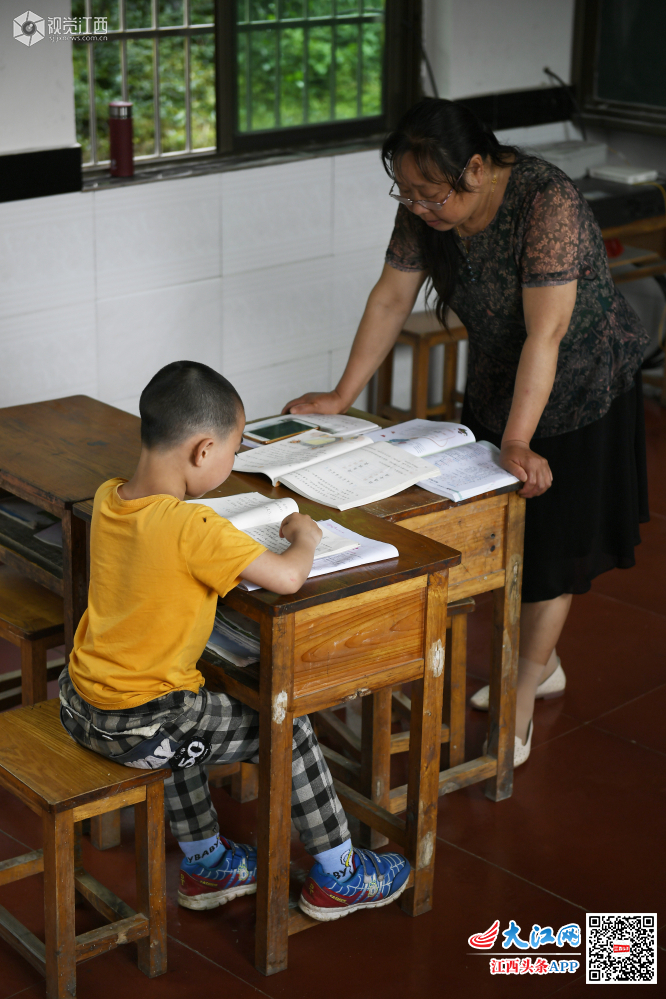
433, 205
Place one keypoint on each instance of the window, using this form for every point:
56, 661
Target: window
308, 61
619, 66
237, 76
159, 54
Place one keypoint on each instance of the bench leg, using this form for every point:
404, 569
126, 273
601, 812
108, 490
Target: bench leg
424, 752
274, 813
33, 671
420, 363
105, 830
245, 783
60, 935
376, 758
450, 373
151, 879
384, 383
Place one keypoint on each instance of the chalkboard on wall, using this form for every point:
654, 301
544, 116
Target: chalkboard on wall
620, 63
632, 52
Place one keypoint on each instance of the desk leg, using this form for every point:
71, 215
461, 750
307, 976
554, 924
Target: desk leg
454, 688
504, 667
274, 813
424, 751
376, 758
74, 574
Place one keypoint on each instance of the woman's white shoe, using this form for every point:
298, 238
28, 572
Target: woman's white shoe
552, 686
521, 750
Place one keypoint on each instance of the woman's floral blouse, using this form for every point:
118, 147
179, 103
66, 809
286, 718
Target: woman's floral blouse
543, 234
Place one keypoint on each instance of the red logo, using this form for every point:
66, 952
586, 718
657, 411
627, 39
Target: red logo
484, 941
621, 948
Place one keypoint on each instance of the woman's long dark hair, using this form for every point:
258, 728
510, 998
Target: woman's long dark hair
442, 137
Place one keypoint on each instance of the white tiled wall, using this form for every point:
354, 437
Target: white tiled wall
261, 273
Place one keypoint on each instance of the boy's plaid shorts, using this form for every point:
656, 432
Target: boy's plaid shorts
188, 732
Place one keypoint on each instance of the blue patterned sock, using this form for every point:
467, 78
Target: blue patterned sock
338, 861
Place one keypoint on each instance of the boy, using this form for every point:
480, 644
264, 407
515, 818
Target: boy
133, 692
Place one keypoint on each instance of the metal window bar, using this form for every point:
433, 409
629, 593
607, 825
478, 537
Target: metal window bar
154, 33
245, 27
92, 104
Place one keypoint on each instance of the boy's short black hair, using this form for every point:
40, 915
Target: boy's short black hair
186, 398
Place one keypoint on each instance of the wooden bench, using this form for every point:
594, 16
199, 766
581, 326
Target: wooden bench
64, 784
421, 332
33, 618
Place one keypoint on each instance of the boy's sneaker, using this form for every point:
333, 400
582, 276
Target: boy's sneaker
378, 879
207, 887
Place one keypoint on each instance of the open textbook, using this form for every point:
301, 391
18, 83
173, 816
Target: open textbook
369, 474
468, 471
417, 437
424, 437
368, 550
276, 460
260, 518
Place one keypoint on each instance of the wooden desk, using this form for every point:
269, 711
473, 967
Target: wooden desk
54, 454
346, 634
488, 530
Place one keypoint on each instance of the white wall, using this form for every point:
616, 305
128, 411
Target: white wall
481, 46
261, 273
36, 84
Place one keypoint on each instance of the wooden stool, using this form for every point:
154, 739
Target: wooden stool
421, 332
354, 771
63, 783
33, 618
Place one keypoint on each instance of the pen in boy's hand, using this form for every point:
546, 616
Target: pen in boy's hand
300, 525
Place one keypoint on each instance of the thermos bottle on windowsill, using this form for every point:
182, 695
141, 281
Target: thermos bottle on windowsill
120, 139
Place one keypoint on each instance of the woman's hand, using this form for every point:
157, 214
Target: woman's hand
316, 402
518, 458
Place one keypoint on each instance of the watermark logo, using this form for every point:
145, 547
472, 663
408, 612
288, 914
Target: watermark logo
28, 28
484, 941
77, 28
503, 963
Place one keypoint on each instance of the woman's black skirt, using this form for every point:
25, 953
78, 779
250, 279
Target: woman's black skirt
587, 522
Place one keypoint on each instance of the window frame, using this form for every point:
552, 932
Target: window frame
594, 110
401, 88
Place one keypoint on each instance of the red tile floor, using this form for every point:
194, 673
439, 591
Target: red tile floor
584, 830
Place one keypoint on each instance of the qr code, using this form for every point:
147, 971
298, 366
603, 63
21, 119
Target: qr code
621, 947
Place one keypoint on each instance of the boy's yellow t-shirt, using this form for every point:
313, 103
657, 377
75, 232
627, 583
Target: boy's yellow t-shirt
157, 565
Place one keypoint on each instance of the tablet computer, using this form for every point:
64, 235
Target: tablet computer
276, 429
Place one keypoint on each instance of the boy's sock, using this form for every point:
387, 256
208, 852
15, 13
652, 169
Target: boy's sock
338, 861
207, 852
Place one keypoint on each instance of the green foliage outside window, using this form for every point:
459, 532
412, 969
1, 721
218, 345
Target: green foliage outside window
299, 62
307, 61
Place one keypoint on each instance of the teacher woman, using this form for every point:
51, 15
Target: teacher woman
509, 243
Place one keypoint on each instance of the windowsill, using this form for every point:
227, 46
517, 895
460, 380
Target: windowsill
98, 178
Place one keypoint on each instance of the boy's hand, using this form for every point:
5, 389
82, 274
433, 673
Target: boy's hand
299, 525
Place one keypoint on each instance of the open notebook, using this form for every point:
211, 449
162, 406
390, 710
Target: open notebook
466, 467
366, 550
260, 518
